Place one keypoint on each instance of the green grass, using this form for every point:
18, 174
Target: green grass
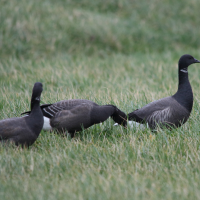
112, 52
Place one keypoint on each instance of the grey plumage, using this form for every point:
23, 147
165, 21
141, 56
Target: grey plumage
18, 130
163, 112
53, 109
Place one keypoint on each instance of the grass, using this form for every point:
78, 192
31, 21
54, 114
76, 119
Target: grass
112, 52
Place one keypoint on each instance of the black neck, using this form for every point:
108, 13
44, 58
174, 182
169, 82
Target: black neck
36, 117
184, 94
35, 106
33, 103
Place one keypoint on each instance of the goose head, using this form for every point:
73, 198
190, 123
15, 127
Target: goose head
185, 61
36, 93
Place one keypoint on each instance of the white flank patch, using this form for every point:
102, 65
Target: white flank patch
133, 124
46, 125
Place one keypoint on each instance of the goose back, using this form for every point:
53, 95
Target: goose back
51, 110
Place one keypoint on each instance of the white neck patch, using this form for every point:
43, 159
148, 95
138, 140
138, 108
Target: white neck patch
37, 98
184, 70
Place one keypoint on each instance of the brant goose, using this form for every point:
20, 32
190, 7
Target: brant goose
172, 111
75, 114
24, 130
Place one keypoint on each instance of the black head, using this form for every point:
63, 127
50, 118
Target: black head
36, 93
186, 60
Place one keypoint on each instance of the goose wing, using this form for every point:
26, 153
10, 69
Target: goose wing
155, 112
160, 117
51, 110
73, 119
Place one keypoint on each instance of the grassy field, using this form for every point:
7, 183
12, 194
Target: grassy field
119, 52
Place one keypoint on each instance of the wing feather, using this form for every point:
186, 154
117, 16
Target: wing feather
51, 110
159, 117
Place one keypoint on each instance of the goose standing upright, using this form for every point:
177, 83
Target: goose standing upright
75, 114
172, 111
24, 130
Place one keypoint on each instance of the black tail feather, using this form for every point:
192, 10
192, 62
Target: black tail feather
25, 113
134, 117
42, 107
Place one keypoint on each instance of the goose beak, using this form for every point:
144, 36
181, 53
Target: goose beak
196, 61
